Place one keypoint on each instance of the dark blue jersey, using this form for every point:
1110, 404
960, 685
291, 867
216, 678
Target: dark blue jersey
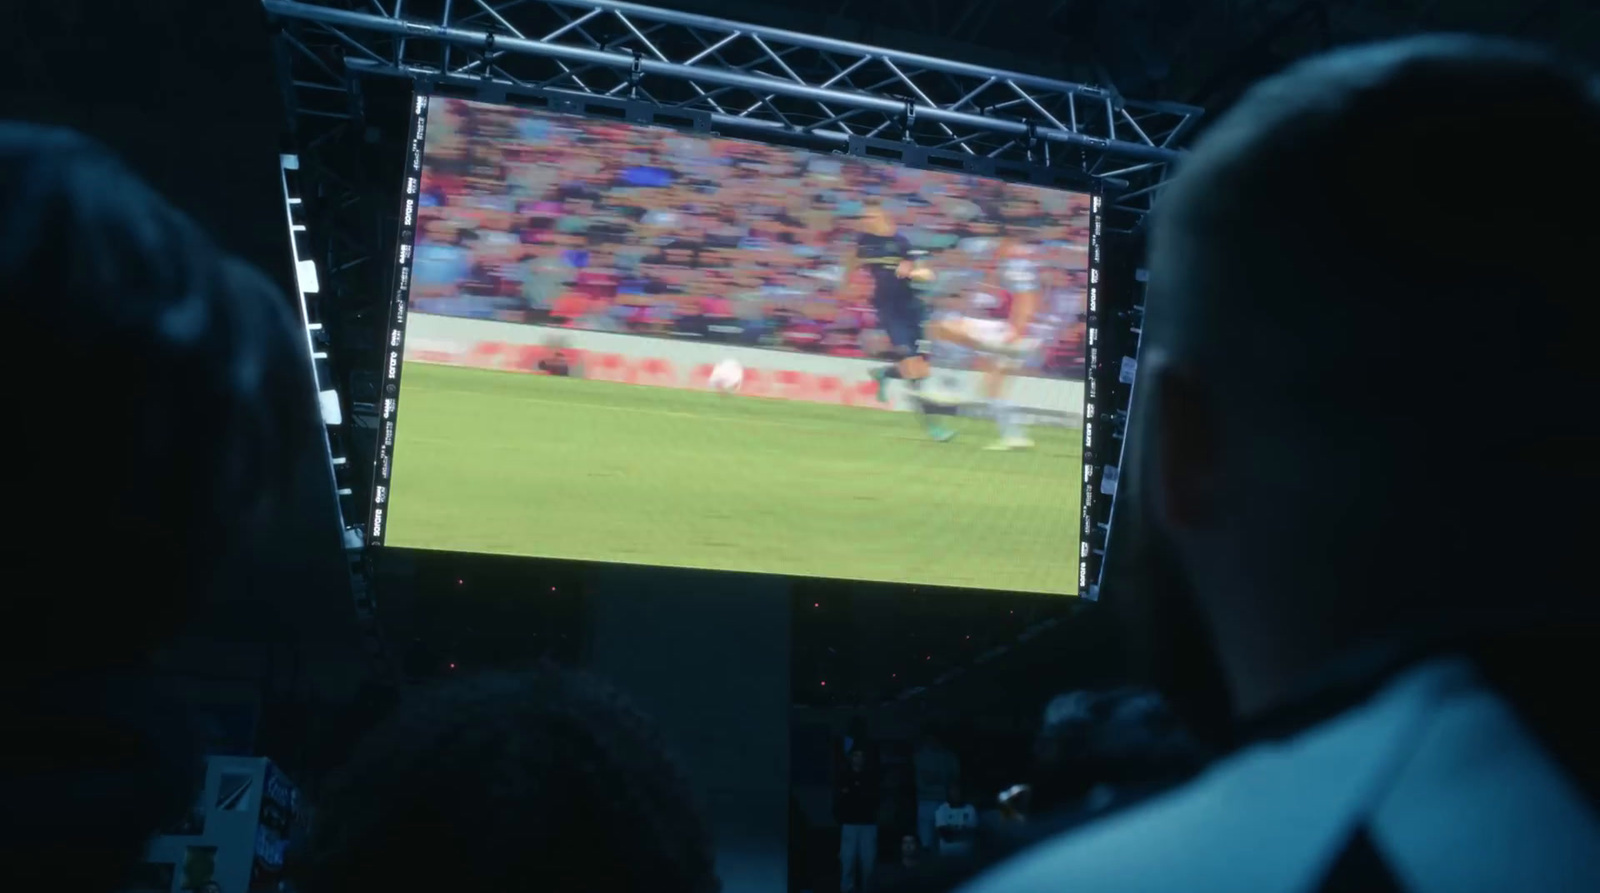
882, 256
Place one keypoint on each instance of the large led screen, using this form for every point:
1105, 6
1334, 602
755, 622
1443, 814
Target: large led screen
631, 344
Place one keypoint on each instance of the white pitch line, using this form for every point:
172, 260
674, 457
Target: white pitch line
777, 423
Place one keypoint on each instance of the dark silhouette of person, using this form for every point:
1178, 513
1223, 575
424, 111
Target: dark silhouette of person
857, 799
546, 779
1318, 462
157, 397
903, 869
1100, 748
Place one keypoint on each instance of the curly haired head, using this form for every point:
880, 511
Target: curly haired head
1122, 740
543, 780
165, 396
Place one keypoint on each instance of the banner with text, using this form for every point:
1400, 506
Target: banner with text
666, 362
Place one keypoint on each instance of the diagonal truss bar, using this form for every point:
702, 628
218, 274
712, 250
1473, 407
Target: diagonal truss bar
793, 76
924, 108
831, 45
760, 80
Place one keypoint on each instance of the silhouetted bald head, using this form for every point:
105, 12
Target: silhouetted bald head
1365, 362
1408, 213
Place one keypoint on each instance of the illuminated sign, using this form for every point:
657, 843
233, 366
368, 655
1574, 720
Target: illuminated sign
1091, 391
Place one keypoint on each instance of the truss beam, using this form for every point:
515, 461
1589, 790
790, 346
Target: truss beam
744, 76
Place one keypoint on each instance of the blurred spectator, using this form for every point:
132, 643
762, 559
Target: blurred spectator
937, 768
164, 401
544, 780
856, 738
892, 875
855, 807
956, 823
558, 363
1016, 803
1401, 688
1099, 748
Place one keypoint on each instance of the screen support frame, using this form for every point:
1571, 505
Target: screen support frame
395, 328
1088, 564
642, 114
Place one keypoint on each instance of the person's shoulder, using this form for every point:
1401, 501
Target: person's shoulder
54, 145
1277, 815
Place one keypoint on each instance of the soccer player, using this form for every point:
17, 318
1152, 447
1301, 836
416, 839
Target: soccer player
996, 326
886, 255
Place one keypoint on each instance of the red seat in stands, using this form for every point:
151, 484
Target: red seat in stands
570, 306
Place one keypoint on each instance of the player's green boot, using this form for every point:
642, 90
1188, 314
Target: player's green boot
881, 376
940, 433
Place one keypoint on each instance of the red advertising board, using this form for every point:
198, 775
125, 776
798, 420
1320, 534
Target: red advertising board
773, 381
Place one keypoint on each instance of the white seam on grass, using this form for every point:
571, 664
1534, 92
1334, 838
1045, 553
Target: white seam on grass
777, 423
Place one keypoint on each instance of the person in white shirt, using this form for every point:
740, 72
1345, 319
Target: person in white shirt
956, 822
1399, 662
937, 768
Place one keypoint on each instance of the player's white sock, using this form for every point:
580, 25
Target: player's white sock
1005, 419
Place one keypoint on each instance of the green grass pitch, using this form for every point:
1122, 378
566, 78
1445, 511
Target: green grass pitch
516, 464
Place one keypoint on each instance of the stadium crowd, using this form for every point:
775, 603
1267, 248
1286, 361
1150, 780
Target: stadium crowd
606, 227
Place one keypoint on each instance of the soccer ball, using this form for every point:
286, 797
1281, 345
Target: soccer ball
727, 376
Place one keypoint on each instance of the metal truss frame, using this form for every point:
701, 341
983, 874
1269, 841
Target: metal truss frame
655, 66
308, 290
752, 81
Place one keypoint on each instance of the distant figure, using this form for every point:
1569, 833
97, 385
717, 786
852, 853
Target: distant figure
856, 737
891, 876
558, 363
158, 401
1397, 602
546, 780
1099, 748
855, 806
937, 768
956, 822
